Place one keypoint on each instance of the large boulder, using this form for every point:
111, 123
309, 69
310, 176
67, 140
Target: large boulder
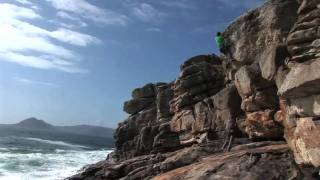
272, 60
261, 125
306, 106
304, 141
303, 80
251, 34
136, 105
146, 91
303, 40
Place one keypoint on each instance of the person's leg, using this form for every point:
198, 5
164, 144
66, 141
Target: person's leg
223, 49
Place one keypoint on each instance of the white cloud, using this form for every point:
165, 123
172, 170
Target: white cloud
73, 37
9, 11
245, 3
42, 62
153, 29
33, 82
32, 46
67, 16
90, 12
25, 2
25, 37
178, 4
147, 13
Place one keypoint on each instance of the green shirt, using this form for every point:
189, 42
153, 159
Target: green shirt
219, 41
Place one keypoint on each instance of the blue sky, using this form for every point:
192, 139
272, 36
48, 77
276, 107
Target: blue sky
76, 61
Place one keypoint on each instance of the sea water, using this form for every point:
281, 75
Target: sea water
40, 159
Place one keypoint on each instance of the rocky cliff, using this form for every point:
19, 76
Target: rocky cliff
253, 114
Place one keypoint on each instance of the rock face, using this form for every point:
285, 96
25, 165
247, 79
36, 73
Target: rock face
261, 102
251, 34
300, 88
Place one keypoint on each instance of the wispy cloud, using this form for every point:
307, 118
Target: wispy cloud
41, 62
26, 2
28, 45
33, 82
153, 29
73, 37
147, 13
69, 17
246, 4
90, 12
178, 4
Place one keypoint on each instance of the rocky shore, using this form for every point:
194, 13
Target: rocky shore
251, 115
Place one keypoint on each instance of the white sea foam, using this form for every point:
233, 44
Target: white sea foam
54, 165
59, 143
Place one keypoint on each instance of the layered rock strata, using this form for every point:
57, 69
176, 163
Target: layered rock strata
262, 99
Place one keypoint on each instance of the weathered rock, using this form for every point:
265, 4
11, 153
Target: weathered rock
304, 141
273, 59
269, 162
136, 105
244, 80
200, 78
146, 91
182, 121
251, 34
178, 130
305, 33
261, 125
164, 96
303, 80
166, 140
307, 106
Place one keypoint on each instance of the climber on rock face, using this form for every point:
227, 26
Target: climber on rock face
220, 42
223, 47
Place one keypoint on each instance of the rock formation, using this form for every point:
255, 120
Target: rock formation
261, 102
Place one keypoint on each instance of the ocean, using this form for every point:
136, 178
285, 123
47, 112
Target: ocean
40, 159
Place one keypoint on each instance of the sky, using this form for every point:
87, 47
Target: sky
74, 62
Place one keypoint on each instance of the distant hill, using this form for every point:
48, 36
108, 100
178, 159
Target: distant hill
34, 123
80, 134
87, 130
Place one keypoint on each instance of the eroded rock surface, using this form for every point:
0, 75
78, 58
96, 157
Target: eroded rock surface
261, 101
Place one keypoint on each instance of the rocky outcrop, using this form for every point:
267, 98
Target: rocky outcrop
200, 78
252, 34
267, 163
260, 101
300, 89
146, 130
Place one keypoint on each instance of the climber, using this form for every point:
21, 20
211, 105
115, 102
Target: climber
223, 46
221, 43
